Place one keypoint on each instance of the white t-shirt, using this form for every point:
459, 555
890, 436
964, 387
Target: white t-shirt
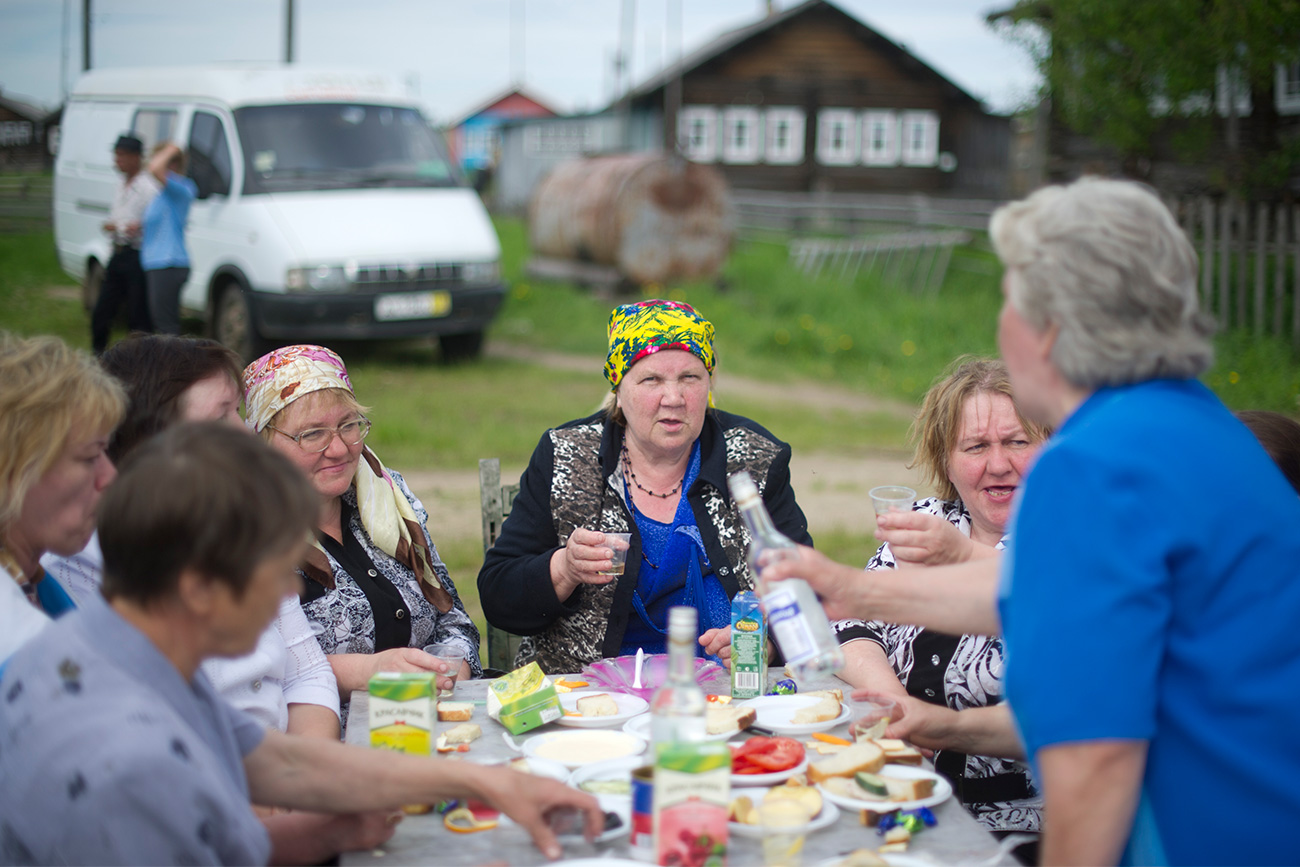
20, 620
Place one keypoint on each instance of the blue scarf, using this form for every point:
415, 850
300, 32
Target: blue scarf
671, 573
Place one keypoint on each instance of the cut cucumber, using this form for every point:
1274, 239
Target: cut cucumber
872, 784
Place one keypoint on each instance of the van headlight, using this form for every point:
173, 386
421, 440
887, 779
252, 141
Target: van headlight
316, 278
480, 273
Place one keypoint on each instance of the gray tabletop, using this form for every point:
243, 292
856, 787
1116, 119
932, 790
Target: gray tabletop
956, 839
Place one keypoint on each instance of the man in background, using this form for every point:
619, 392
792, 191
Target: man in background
124, 278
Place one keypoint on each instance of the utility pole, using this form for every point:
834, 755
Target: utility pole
85, 35
288, 31
517, 43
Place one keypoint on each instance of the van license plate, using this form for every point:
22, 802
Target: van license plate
412, 305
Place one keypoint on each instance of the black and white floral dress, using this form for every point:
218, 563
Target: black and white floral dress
958, 672
345, 615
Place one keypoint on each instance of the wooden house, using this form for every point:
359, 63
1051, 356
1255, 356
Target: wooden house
810, 98
23, 145
475, 139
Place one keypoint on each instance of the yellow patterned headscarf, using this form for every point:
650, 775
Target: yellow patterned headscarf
641, 329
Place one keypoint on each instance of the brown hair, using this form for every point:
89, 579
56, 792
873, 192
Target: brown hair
157, 370
938, 422
203, 496
1280, 437
49, 393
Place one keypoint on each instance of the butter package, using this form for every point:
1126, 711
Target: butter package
523, 700
401, 711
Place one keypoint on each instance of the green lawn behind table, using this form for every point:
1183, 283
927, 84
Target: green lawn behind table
773, 324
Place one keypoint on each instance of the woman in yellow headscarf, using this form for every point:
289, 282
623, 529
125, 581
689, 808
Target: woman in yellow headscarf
654, 463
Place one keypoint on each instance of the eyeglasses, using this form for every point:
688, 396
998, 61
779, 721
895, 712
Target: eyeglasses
318, 439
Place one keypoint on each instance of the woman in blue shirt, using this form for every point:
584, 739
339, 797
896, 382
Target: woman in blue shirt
162, 252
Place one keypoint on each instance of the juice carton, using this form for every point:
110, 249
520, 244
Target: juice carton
748, 646
692, 790
523, 699
401, 711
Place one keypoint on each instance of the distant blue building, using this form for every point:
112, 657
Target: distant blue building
475, 140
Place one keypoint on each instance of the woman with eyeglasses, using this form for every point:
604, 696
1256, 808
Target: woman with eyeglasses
373, 581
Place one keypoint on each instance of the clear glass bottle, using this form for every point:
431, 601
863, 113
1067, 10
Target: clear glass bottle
795, 618
677, 709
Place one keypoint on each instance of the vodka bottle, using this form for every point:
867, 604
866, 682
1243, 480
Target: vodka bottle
795, 618
677, 709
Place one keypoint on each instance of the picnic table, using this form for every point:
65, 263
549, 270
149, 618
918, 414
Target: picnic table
955, 839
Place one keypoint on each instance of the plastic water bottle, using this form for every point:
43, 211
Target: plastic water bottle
677, 709
794, 616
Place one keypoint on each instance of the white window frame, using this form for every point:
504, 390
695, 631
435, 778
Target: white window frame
704, 150
1229, 82
927, 152
792, 153
1287, 91
750, 120
827, 152
887, 154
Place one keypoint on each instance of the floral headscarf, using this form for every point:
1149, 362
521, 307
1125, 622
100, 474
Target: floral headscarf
641, 329
276, 380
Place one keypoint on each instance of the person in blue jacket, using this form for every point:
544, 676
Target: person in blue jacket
163, 255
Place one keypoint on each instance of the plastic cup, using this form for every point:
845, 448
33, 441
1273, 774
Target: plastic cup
785, 823
887, 498
869, 717
619, 543
454, 656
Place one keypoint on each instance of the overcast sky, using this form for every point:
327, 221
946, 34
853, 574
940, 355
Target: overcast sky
466, 51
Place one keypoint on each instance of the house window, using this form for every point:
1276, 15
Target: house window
1231, 84
1288, 88
696, 125
920, 138
741, 136
879, 138
784, 128
837, 137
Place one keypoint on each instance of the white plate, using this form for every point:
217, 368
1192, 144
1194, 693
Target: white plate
543, 768
621, 806
628, 707
575, 749
617, 769
825, 818
942, 791
775, 712
894, 859
640, 725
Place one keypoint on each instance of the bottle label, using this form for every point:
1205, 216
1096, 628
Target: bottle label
692, 790
748, 648
787, 623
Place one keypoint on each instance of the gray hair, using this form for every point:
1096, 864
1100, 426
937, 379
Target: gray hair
1107, 264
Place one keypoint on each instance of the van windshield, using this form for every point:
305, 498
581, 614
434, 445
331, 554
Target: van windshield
331, 146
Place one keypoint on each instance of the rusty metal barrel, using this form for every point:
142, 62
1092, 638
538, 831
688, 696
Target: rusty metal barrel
656, 219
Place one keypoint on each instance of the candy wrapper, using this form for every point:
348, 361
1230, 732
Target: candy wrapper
914, 821
784, 687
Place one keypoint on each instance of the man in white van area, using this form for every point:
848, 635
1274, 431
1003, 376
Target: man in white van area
124, 278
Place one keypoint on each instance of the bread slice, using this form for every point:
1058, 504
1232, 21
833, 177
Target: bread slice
463, 733
600, 704
862, 858
719, 718
862, 756
909, 790
455, 711
826, 709
837, 694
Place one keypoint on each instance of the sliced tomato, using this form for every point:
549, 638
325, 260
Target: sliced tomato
781, 755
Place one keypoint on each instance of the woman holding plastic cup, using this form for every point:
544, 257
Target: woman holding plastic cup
974, 447
373, 579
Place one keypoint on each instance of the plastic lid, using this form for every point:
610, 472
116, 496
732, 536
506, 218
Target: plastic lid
742, 487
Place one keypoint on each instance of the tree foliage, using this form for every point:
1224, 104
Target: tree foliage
1118, 70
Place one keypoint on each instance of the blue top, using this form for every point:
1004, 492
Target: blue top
164, 225
111, 757
1152, 592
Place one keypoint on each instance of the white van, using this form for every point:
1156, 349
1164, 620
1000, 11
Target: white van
327, 207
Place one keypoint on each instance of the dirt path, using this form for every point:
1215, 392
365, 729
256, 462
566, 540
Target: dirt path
832, 488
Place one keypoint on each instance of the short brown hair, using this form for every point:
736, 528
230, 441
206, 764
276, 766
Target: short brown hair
157, 369
1280, 437
49, 392
935, 429
203, 496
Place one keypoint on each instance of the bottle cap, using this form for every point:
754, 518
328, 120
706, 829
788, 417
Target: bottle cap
681, 622
742, 487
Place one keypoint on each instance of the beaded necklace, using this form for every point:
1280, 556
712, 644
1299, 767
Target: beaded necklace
627, 469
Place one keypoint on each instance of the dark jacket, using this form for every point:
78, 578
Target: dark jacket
573, 481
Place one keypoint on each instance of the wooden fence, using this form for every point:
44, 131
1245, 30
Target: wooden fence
26, 202
1250, 262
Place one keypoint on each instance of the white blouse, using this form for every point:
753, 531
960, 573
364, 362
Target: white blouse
287, 666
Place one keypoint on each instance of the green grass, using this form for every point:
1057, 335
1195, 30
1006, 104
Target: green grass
28, 267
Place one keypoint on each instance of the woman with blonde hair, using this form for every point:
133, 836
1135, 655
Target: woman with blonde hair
58, 409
